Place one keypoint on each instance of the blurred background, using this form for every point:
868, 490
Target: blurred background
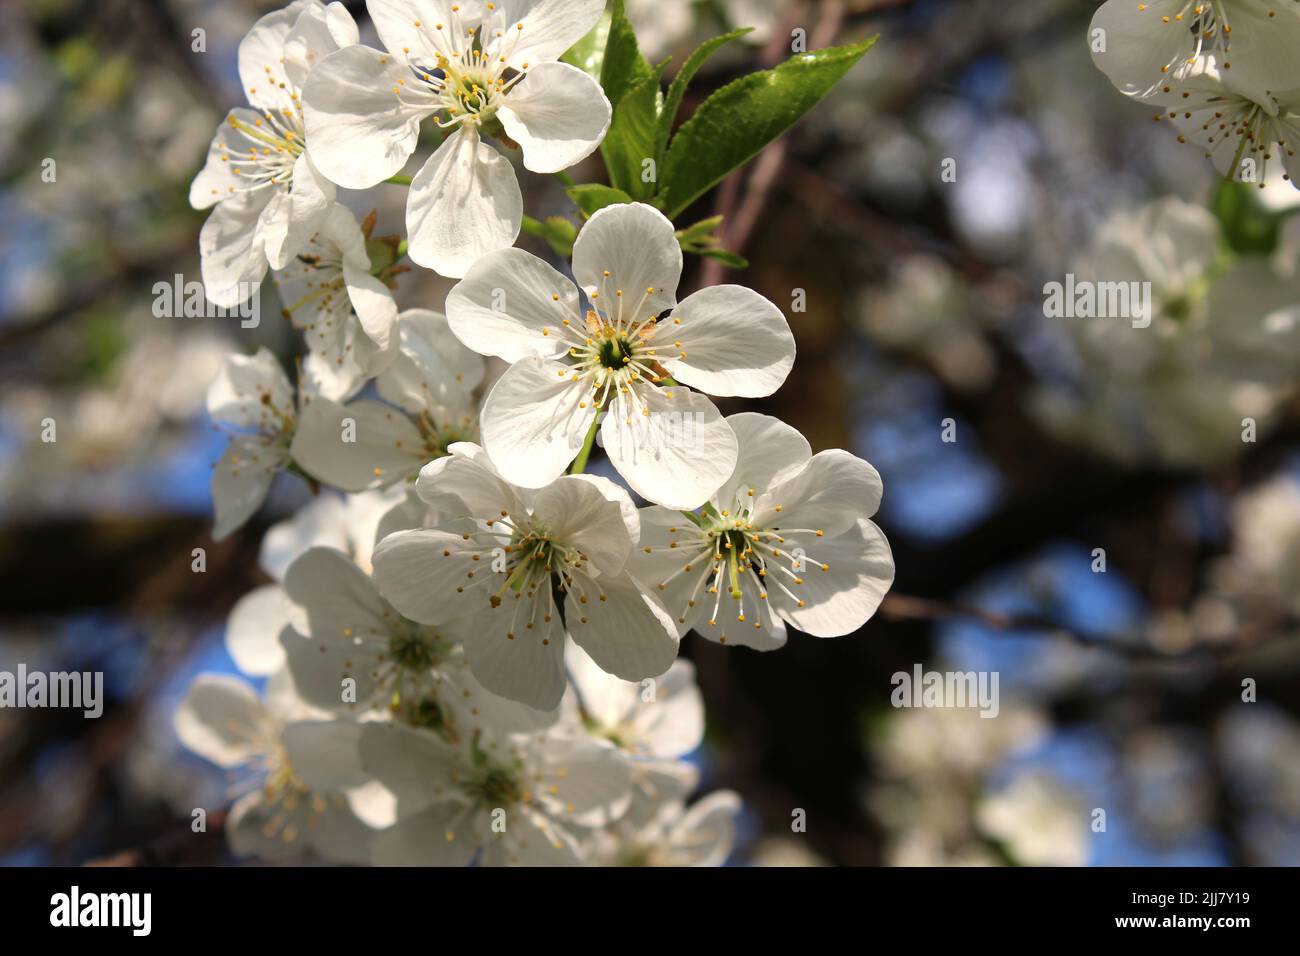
1121, 689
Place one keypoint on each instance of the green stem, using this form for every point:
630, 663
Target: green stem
533, 227
580, 463
565, 179
399, 180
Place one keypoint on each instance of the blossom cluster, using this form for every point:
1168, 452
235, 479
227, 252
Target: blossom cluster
471, 646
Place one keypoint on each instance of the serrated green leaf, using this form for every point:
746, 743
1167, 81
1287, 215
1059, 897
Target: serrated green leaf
588, 54
622, 67
682, 80
734, 124
630, 141
592, 196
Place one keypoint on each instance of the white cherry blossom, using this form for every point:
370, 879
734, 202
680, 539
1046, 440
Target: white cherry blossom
494, 799
654, 722
350, 652
368, 444
702, 835
478, 68
279, 815
347, 315
786, 540
269, 197
490, 571
670, 443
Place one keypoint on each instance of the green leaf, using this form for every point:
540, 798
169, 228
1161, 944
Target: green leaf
700, 240
558, 232
630, 141
588, 54
734, 124
1248, 225
701, 230
622, 67
682, 80
592, 196
730, 259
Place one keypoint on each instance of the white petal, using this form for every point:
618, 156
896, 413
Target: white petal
550, 27
320, 522
516, 661
735, 342
241, 480
421, 839
464, 203
534, 421
325, 754
232, 247
261, 58
410, 763
253, 630
594, 786
385, 448
624, 630
317, 33
679, 454
669, 544
579, 514
465, 483
841, 599
222, 720
358, 132
770, 452
511, 304
672, 725
372, 301
432, 367
336, 596
396, 23
418, 578
606, 699
558, 115
217, 180
829, 494
249, 390
310, 199
1141, 38
706, 834
637, 246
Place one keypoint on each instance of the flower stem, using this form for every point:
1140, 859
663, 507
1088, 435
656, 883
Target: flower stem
580, 463
399, 180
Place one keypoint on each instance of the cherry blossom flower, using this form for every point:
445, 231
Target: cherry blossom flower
368, 444
494, 799
702, 835
654, 723
279, 815
347, 315
489, 571
350, 652
268, 196
478, 68
785, 541
622, 356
